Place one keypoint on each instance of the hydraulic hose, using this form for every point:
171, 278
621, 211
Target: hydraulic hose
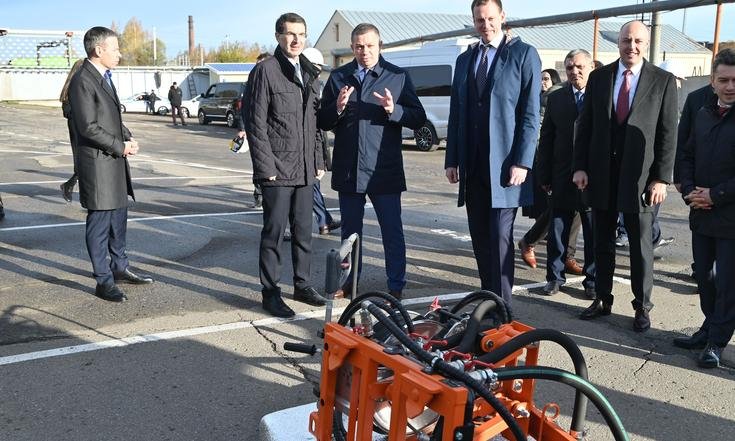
506, 315
566, 342
561, 376
356, 304
469, 340
443, 367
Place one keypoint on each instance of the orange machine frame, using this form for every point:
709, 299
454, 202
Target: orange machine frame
411, 390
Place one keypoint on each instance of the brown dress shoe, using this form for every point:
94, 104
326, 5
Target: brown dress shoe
572, 267
344, 292
527, 253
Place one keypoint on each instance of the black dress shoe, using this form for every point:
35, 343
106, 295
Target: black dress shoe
309, 295
642, 321
698, 340
551, 288
275, 306
128, 276
110, 293
710, 356
326, 229
590, 293
596, 309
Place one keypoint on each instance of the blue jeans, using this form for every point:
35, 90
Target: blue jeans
323, 218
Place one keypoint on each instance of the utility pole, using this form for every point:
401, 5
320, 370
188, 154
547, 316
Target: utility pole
655, 37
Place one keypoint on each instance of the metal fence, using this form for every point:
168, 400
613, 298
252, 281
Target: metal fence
36, 48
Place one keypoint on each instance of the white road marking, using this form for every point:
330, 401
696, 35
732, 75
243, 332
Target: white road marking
146, 219
153, 178
182, 333
137, 219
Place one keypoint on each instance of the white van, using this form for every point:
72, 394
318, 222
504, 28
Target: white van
431, 68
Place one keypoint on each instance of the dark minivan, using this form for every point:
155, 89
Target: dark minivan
221, 102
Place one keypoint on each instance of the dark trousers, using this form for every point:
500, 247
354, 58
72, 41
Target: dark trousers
176, 109
257, 193
105, 236
491, 230
560, 230
283, 206
655, 227
540, 230
716, 288
323, 217
638, 226
388, 211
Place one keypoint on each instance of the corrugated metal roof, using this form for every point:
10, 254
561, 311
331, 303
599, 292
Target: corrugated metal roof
231, 67
395, 26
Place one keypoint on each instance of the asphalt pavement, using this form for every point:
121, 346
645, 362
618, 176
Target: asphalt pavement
194, 357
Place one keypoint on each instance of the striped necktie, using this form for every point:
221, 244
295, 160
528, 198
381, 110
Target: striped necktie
579, 100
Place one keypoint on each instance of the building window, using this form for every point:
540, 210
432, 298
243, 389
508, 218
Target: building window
336, 32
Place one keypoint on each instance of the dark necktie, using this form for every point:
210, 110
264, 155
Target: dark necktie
579, 100
623, 107
108, 78
297, 73
481, 74
363, 73
722, 110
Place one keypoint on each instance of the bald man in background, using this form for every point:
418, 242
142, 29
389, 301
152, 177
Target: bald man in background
624, 157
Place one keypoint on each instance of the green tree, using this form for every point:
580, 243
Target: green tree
235, 52
136, 46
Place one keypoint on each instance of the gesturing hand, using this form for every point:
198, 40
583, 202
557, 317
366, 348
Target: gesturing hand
386, 101
344, 96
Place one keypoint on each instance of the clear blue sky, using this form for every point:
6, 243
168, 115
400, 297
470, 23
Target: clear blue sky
253, 21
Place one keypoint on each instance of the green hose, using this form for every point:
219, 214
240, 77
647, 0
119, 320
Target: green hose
579, 383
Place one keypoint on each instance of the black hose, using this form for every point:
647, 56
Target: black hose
441, 366
566, 342
506, 314
356, 304
469, 340
561, 376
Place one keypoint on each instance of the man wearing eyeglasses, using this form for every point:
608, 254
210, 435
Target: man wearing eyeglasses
286, 160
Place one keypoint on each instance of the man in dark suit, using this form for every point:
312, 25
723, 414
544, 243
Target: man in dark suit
103, 145
491, 140
287, 158
554, 174
623, 156
706, 168
366, 103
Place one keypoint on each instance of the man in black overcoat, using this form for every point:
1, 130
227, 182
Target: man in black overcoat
103, 145
624, 156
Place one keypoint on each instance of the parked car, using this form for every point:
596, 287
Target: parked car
139, 103
221, 102
431, 68
190, 107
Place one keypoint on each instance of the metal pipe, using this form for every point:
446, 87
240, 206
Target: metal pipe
655, 47
594, 38
718, 19
667, 5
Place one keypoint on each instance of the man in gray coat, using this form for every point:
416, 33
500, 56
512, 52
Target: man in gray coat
104, 144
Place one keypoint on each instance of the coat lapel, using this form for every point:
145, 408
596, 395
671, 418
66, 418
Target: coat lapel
110, 91
645, 83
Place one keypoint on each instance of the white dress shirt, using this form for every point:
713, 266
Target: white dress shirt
492, 50
634, 78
